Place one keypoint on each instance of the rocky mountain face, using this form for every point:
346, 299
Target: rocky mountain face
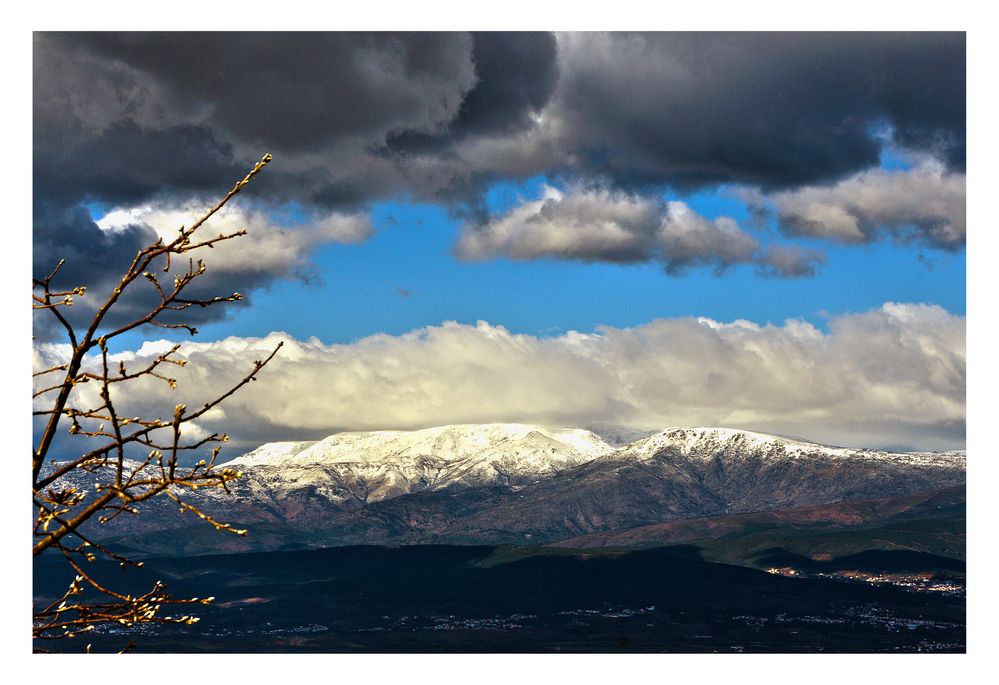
945, 506
519, 483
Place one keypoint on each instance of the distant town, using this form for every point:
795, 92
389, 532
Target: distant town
917, 582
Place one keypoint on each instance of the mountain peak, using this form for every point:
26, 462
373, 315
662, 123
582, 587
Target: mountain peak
449, 443
706, 442
702, 434
457, 443
502, 482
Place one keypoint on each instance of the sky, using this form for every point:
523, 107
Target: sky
762, 231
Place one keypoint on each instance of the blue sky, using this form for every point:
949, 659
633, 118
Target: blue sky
406, 277
602, 179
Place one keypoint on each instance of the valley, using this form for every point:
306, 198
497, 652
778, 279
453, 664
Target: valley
516, 538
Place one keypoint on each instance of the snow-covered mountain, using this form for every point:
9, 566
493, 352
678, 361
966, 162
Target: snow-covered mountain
707, 443
510, 482
358, 468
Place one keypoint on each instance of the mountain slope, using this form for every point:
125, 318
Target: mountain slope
520, 483
674, 475
348, 470
926, 522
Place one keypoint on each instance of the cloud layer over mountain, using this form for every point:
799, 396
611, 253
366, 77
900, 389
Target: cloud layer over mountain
894, 376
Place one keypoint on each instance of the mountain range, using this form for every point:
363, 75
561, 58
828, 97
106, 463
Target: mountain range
516, 483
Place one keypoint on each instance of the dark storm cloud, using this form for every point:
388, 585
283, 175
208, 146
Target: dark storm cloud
125, 163
298, 91
771, 109
175, 112
355, 117
516, 74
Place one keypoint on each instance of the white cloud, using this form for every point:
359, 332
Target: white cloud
586, 224
888, 377
686, 238
924, 203
601, 224
271, 246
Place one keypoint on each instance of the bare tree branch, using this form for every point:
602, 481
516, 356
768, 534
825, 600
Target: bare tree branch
63, 510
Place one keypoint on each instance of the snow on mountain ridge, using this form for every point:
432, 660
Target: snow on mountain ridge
372, 466
354, 468
271, 451
688, 440
708, 442
452, 443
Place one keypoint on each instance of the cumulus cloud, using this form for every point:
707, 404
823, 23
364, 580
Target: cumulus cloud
687, 238
270, 246
790, 261
925, 204
893, 376
96, 252
594, 225
602, 224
